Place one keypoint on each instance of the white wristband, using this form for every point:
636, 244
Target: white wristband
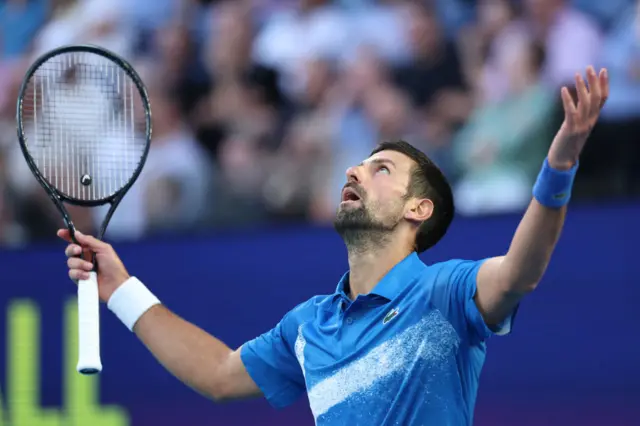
130, 301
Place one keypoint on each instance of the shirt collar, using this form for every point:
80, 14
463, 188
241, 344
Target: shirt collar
392, 283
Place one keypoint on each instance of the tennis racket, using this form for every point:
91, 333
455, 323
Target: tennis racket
84, 125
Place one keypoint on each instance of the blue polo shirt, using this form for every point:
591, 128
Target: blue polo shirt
409, 353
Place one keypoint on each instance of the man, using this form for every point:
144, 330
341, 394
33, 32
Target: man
399, 342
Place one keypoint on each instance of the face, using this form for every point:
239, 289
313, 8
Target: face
374, 199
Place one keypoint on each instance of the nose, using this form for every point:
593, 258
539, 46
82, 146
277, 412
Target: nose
354, 174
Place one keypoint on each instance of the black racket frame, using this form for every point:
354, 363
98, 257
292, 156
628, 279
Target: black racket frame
56, 196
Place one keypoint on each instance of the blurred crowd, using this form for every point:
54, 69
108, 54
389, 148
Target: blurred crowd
259, 106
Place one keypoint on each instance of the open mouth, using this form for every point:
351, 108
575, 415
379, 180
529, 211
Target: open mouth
349, 194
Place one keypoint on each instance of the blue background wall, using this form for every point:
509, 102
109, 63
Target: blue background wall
572, 359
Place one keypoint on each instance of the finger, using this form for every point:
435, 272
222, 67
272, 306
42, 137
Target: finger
65, 235
80, 264
604, 86
594, 91
568, 105
91, 242
583, 96
77, 274
73, 250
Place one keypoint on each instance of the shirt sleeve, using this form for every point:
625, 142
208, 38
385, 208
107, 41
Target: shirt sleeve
456, 280
271, 362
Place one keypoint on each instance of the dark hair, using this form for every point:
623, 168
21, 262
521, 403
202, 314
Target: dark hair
427, 181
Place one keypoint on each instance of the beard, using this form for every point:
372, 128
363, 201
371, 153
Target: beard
360, 229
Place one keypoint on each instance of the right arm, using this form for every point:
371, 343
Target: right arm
193, 356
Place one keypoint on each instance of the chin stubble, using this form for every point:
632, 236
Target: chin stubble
360, 230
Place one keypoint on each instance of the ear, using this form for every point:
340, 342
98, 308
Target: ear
419, 210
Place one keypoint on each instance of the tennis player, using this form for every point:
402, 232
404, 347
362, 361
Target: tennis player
398, 342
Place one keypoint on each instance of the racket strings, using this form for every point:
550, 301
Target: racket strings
85, 125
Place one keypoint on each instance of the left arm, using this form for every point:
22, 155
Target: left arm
503, 281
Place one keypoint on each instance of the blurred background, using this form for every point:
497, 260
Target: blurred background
259, 107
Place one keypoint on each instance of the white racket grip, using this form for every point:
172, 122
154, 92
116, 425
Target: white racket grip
89, 326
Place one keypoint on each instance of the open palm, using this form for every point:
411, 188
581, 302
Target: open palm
579, 118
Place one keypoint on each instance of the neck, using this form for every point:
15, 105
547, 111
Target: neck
368, 266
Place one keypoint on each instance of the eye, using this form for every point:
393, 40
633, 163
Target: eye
383, 169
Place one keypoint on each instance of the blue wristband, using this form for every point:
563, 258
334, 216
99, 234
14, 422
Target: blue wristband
553, 187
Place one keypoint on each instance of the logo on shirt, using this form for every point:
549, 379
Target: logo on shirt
391, 315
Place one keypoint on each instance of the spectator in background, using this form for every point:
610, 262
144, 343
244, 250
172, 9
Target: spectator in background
478, 43
231, 37
434, 77
11, 233
175, 55
364, 23
100, 22
241, 172
146, 16
390, 112
621, 56
498, 151
172, 192
616, 136
571, 39
269, 101
27, 206
300, 171
243, 94
321, 106
319, 80
435, 82
315, 28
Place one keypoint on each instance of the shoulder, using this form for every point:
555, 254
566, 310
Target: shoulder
451, 276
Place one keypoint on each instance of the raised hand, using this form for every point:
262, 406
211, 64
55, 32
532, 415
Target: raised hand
579, 118
111, 271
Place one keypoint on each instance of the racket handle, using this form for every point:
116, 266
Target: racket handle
89, 326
